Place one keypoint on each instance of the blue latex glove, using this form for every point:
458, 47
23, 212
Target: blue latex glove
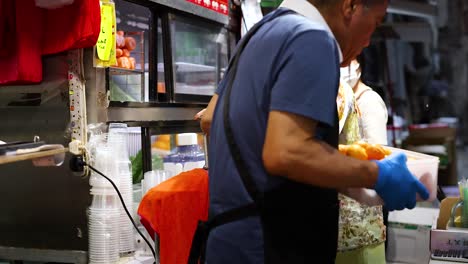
396, 185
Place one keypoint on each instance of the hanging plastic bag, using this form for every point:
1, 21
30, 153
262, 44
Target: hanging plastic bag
252, 14
53, 4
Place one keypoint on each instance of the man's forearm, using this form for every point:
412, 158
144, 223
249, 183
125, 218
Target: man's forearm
319, 164
290, 150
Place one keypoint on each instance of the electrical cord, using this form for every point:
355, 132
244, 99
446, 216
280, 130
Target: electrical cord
125, 208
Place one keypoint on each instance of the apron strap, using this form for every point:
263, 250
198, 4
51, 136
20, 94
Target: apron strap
247, 179
200, 239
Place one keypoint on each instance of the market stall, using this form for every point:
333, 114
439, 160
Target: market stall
170, 57
163, 65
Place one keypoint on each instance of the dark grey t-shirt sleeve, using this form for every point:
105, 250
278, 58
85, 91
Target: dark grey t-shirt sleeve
306, 79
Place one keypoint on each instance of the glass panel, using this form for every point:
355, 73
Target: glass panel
126, 87
199, 54
128, 80
161, 86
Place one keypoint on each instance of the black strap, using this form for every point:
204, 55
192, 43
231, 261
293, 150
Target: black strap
246, 177
197, 251
241, 166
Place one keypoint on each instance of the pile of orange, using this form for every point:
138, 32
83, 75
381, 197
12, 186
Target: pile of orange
163, 142
365, 151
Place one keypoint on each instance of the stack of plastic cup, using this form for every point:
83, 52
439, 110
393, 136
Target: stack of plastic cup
104, 213
105, 163
134, 141
117, 141
127, 239
103, 227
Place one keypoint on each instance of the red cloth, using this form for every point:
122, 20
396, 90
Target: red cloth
72, 27
27, 32
7, 27
23, 63
172, 210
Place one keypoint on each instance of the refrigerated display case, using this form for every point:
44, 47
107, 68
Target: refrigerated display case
199, 54
128, 80
184, 54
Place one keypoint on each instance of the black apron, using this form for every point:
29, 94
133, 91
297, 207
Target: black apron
299, 222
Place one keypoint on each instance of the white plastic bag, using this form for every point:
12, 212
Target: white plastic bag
252, 14
53, 4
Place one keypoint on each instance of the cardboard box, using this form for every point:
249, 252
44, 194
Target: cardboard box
432, 131
409, 235
448, 239
442, 136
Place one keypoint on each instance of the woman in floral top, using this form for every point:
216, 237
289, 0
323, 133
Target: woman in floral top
361, 232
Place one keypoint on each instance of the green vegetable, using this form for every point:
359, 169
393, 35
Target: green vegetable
157, 163
137, 167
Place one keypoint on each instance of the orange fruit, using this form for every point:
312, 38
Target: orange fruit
363, 144
161, 145
343, 149
357, 152
387, 151
166, 138
375, 152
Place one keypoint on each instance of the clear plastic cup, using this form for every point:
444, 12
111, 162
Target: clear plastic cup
124, 167
110, 202
153, 178
103, 233
117, 141
105, 163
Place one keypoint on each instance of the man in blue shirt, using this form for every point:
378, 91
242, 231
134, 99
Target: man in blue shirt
284, 121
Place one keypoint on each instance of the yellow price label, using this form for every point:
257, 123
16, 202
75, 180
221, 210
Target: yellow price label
106, 38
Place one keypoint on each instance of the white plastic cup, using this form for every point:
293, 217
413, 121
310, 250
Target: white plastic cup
103, 234
105, 202
153, 178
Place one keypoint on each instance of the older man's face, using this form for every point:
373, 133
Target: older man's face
363, 23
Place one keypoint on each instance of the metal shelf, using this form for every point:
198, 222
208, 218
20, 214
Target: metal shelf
45, 255
191, 8
145, 113
123, 71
